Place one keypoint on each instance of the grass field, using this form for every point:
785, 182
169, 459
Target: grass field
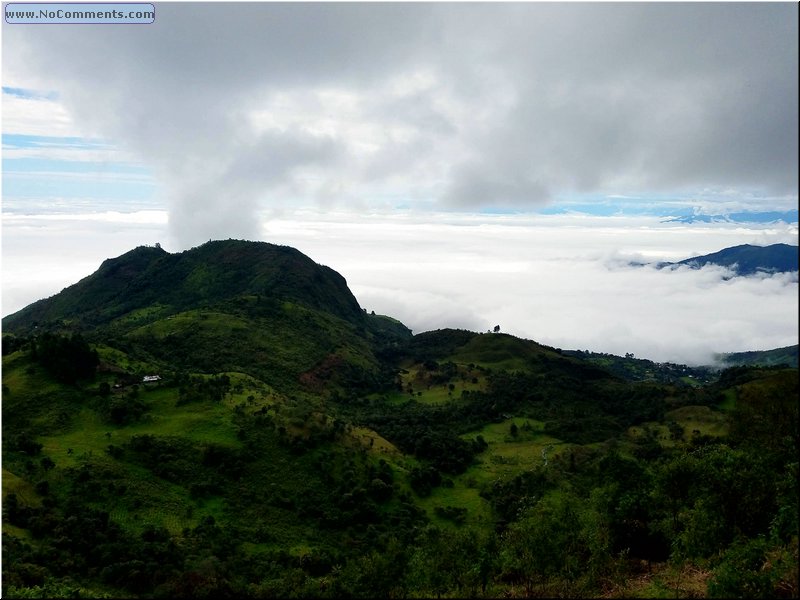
699, 418
141, 315
426, 386
500, 352
505, 457
729, 403
695, 420
463, 494
12, 484
23, 378
130, 492
119, 359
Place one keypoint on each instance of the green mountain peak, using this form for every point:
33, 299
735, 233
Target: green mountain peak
202, 277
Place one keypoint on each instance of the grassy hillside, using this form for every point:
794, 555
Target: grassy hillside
292, 448
221, 483
225, 306
224, 451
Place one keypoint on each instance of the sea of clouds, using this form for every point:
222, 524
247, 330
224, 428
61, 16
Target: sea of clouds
562, 280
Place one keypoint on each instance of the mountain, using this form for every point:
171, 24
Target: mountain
642, 369
227, 305
764, 358
788, 216
747, 259
201, 277
228, 422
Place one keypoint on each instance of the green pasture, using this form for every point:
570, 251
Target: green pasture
146, 500
689, 380
210, 321
495, 433
154, 501
374, 443
500, 352
700, 419
13, 484
110, 355
505, 457
24, 378
141, 315
198, 421
425, 391
90, 435
463, 494
508, 459
729, 402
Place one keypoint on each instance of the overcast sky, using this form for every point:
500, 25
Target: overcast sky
525, 146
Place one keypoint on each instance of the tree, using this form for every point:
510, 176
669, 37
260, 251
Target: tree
497, 328
548, 543
676, 431
374, 575
448, 561
68, 359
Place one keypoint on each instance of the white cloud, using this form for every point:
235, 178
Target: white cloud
560, 280
451, 104
38, 117
42, 254
363, 107
62, 139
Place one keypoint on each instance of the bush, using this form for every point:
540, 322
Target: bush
744, 572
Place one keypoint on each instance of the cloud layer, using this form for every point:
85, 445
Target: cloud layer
563, 280
237, 107
560, 280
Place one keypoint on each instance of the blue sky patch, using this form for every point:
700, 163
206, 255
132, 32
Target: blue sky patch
20, 140
39, 165
65, 187
30, 94
28, 179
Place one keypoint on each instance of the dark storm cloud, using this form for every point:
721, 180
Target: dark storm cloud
467, 104
641, 97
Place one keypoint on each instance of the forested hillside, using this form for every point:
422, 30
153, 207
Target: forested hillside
171, 433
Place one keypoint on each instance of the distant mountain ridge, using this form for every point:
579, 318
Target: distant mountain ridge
746, 259
642, 369
762, 358
789, 216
